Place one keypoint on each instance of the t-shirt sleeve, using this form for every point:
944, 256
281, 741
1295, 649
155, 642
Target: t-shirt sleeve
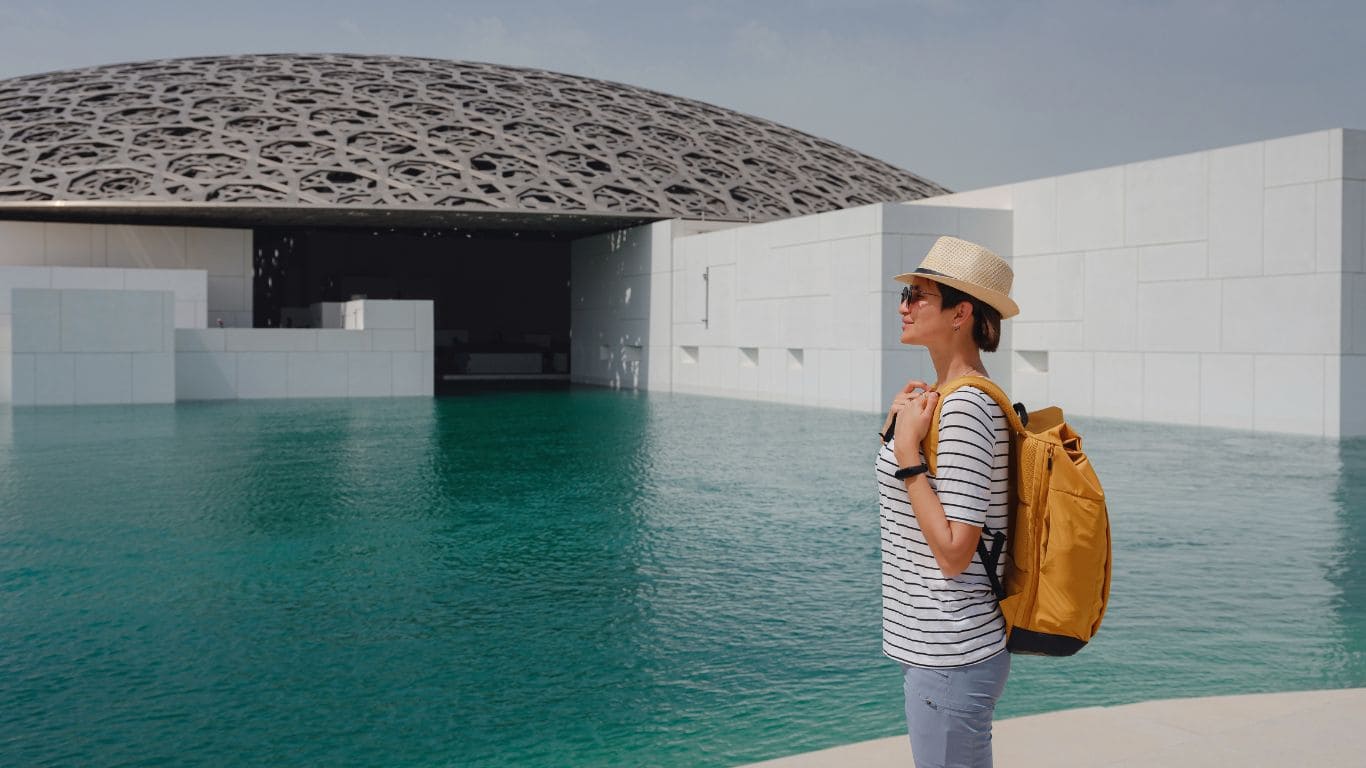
969, 427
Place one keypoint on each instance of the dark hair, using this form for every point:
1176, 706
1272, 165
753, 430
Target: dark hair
986, 319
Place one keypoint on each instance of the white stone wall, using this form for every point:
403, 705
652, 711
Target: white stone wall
798, 311
224, 255
386, 353
1218, 288
620, 289
188, 286
90, 347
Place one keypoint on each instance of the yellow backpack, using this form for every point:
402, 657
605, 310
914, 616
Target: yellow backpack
1058, 575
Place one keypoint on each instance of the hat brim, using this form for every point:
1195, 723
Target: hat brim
995, 299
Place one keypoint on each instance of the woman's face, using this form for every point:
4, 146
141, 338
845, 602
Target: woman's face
922, 315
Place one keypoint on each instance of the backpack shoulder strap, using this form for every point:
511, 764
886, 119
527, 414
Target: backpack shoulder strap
930, 446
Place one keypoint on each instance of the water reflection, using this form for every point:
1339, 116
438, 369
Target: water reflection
1348, 571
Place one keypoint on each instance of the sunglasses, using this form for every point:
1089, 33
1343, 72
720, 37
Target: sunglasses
914, 293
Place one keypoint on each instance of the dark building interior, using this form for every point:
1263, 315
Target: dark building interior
501, 299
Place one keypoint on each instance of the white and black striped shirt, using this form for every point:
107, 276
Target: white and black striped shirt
928, 620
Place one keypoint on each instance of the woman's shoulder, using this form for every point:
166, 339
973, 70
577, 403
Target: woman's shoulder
970, 396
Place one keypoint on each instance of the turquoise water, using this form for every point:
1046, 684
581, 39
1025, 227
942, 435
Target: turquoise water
585, 577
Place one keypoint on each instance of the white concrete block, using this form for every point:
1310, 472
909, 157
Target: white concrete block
1051, 287
153, 377
201, 340
1354, 313
339, 340
1036, 217
22, 382
21, 243
54, 379
1332, 395
88, 278
1278, 375
271, 339
181, 282
1330, 225
1226, 391
922, 219
206, 375
1069, 336
318, 374
989, 228
1071, 382
1091, 210
1352, 158
1030, 388
850, 222
37, 320
369, 374
834, 378
409, 377
1176, 261
1179, 316
114, 321
1235, 211
103, 379
388, 314
1118, 392
145, 247
226, 294
1288, 243
73, 245
424, 313
1288, 312
262, 374
187, 315
1299, 159
1171, 391
21, 277
1111, 302
219, 252
913, 250
1164, 200
1353, 406
785, 232
1354, 226
393, 340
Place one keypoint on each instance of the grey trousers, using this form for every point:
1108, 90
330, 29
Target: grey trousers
949, 711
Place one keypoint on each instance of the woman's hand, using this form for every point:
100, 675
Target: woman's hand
906, 394
913, 421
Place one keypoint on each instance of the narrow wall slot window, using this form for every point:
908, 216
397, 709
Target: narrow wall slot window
794, 359
749, 357
689, 356
706, 297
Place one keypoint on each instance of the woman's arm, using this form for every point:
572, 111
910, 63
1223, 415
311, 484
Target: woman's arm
963, 470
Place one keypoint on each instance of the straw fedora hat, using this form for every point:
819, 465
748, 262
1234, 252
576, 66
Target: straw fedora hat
970, 268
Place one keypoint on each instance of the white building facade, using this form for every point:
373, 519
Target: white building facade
1224, 288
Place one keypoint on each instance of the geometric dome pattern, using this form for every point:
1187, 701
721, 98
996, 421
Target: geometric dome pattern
399, 132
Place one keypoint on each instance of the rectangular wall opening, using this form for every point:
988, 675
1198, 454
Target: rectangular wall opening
749, 357
1031, 361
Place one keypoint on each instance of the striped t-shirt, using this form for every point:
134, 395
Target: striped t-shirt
928, 620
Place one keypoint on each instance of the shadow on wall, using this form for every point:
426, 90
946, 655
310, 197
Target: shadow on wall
611, 309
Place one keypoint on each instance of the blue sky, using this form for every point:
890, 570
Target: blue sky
965, 93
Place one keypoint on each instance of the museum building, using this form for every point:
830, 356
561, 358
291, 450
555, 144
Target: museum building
339, 225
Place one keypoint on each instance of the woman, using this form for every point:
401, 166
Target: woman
940, 618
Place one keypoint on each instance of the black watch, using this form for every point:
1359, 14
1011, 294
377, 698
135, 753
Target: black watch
905, 472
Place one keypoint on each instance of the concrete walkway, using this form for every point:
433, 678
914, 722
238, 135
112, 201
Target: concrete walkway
1312, 728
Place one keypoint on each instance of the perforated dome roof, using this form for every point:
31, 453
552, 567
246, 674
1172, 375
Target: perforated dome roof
394, 134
